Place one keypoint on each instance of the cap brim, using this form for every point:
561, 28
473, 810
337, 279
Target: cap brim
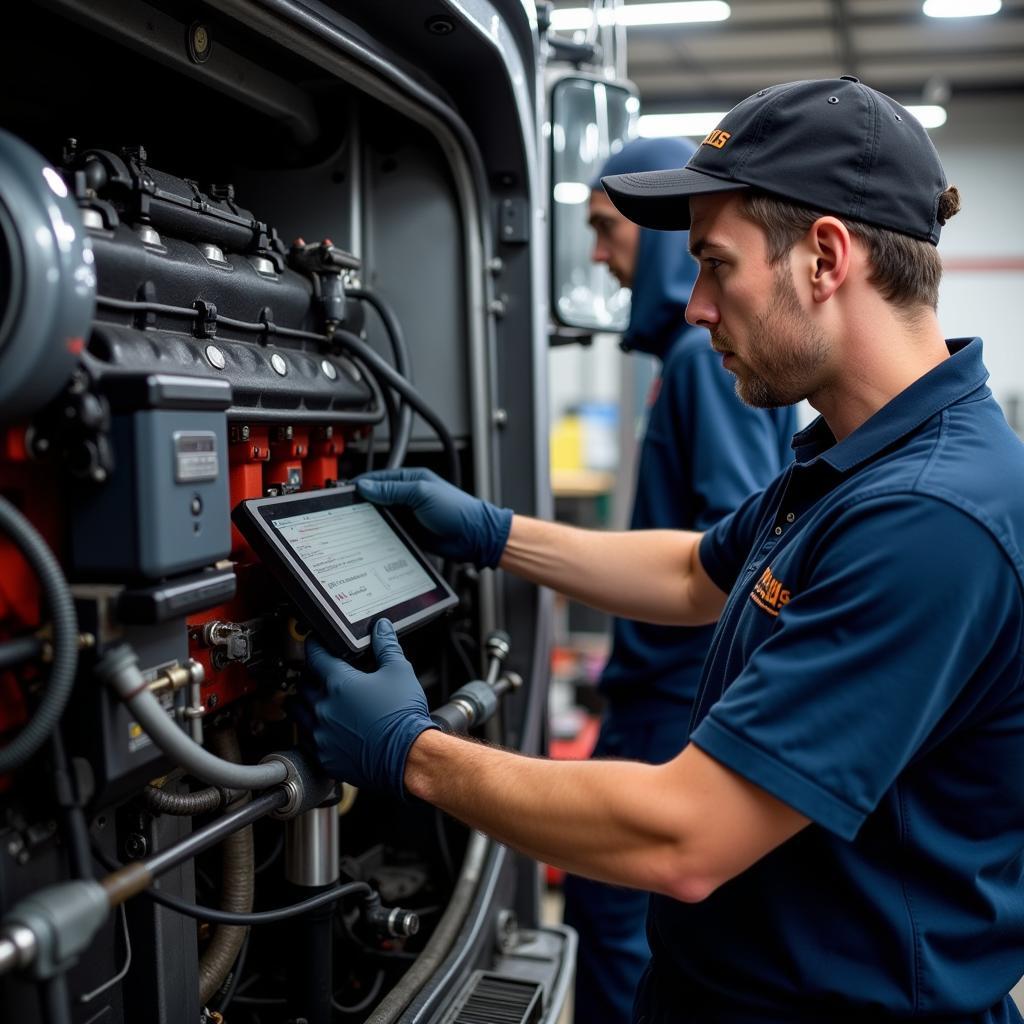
660, 199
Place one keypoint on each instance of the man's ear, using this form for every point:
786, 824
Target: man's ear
829, 248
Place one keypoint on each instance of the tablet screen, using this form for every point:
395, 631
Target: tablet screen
343, 562
356, 558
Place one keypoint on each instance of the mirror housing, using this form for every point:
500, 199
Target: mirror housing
591, 118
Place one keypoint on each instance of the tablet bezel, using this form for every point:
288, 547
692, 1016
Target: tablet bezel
255, 517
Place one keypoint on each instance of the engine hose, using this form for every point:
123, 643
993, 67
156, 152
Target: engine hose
395, 380
396, 1001
183, 805
391, 406
399, 441
119, 669
238, 873
61, 607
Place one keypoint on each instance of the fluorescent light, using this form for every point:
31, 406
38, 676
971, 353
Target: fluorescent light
659, 126
671, 13
569, 19
930, 116
572, 193
960, 8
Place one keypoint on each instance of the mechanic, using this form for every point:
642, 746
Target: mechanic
703, 452
842, 836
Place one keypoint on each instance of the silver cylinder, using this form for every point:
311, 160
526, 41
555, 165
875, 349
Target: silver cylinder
312, 847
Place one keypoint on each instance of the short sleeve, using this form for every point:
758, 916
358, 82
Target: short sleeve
909, 614
725, 547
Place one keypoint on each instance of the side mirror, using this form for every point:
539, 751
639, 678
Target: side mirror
590, 119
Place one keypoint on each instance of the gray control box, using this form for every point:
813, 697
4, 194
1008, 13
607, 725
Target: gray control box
166, 508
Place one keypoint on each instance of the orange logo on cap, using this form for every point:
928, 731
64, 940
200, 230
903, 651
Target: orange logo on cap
717, 138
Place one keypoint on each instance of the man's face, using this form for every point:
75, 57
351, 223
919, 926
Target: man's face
615, 239
752, 309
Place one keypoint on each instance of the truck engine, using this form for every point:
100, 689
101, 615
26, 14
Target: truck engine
251, 250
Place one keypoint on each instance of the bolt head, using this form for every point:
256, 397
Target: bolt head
135, 846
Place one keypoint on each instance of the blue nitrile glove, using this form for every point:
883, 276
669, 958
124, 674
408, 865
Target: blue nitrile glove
458, 526
363, 723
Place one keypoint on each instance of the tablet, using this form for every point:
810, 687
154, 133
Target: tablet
344, 563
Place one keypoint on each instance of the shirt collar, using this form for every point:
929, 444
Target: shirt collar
949, 382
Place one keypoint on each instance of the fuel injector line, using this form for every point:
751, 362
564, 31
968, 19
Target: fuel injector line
58, 600
399, 441
119, 669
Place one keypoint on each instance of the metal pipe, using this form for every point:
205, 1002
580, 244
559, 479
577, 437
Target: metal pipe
313, 848
212, 834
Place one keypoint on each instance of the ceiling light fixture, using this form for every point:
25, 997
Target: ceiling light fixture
961, 8
569, 19
661, 126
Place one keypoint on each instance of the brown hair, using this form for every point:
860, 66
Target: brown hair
905, 270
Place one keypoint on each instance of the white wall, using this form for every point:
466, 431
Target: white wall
982, 149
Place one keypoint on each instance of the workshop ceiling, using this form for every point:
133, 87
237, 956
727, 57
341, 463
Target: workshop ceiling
889, 44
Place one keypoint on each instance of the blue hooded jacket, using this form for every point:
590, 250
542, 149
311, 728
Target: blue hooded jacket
703, 450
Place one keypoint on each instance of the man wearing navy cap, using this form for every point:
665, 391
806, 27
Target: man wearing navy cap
703, 452
842, 837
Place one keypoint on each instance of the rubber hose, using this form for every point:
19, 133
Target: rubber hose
238, 873
395, 380
53, 999
61, 606
119, 669
182, 805
394, 414
395, 1002
400, 441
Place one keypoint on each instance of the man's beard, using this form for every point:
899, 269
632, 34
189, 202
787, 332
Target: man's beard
784, 352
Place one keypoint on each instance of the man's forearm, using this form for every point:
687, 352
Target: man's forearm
583, 816
681, 828
649, 575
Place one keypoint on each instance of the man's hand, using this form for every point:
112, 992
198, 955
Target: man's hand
363, 723
458, 526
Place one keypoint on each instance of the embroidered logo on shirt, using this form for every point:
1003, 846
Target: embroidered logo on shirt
769, 594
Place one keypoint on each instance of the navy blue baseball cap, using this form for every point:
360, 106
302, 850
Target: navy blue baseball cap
833, 144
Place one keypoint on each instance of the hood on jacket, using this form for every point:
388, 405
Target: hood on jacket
665, 271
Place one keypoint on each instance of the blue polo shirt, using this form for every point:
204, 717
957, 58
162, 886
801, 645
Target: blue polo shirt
868, 670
